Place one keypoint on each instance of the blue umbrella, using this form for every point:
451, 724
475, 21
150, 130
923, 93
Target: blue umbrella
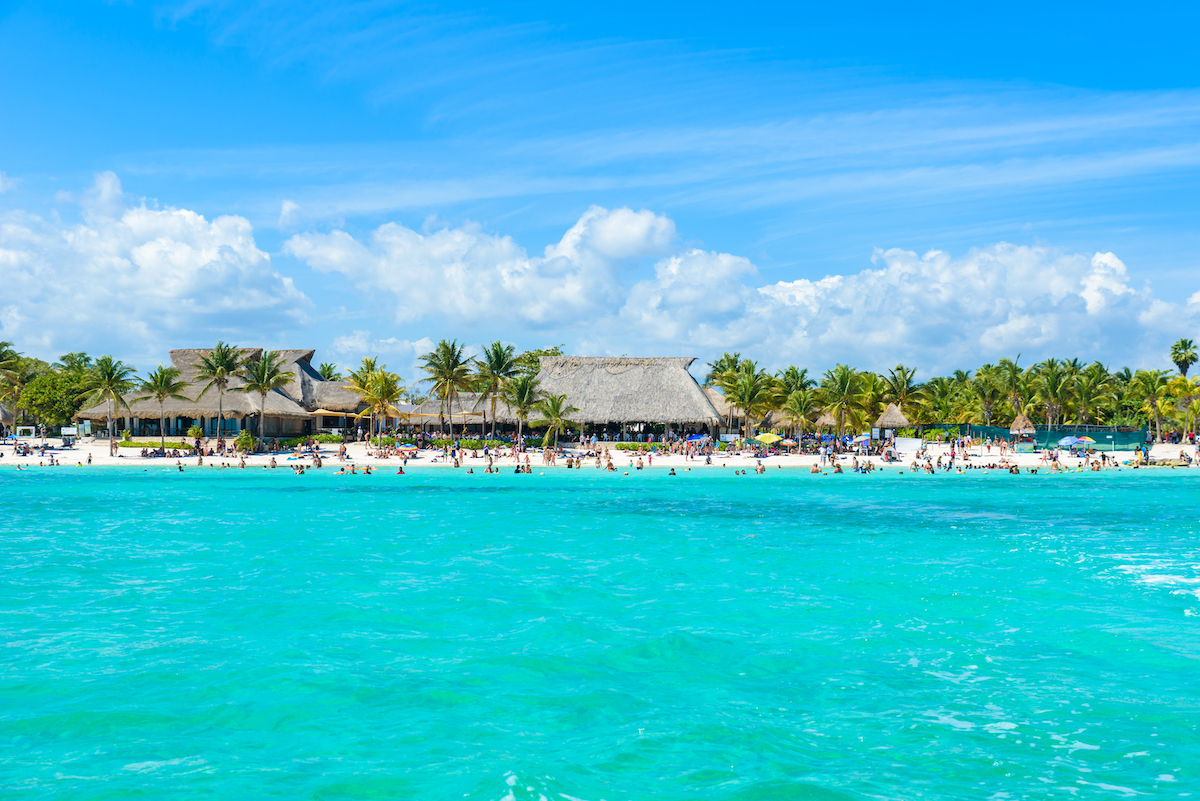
694, 437
1067, 441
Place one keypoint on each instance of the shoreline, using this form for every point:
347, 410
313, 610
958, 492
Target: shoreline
622, 460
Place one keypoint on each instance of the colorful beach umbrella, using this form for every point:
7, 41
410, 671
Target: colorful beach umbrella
1067, 441
768, 438
1085, 439
788, 442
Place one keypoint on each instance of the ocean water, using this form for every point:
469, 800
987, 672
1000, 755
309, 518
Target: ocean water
577, 635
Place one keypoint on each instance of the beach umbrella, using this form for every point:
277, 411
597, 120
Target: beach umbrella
767, 439
1068, 441
863, 438
788, 442
1086, 439
695, 437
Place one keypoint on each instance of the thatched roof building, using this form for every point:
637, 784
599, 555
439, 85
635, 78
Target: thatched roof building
1022, 425
621, 389
6, 415
892, 417
296, 400
826, 420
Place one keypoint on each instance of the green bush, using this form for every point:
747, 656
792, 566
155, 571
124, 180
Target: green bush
195, 433
126, 435
325, 439
244, 441
171, 445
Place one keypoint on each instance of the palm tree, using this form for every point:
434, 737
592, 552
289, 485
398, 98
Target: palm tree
497, 365
360, 381
263, 376
902, 390
987, 393
557, 413
840, 391
939, 397
382, 394
1093, 390
522, 394
449, 372
799, 407
217, 367
1150, 386
10, 361
792, 379
1183, 353
752, 391
727, 363
161, 384
329, 371
872, 393
109, 379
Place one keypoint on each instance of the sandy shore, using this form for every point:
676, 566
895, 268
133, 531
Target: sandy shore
621, 459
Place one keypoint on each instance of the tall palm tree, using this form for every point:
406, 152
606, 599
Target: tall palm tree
382, 393
727, 363
792, 379
497, 365
902, 389
361, 380
799, 408
556, 413
263, 376
449, 373
109, 379
329, 371
1183, 353
1150, 386
986, 392
160, 385
10, 361
1093, 391
216, 367
939, 397
752, 391
840, 392
1053, 388
523, 393
1012, 380
872, 394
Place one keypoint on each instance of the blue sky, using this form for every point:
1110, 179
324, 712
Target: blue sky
804, 183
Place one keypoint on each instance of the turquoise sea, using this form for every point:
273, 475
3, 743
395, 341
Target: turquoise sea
578, 635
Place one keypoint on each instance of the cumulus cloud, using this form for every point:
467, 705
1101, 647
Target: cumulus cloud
467, 272
135, 281
7, 184
933, 310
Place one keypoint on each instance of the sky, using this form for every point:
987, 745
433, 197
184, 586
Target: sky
802, 183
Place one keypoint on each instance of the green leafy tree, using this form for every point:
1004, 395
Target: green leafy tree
751, 390
494, 367
162, 384
216, 368
261, 377
721, 367
52, 397
108, 380
800, 407
530, 362
382, 393
556, 413
1150, 387
902, 388
329, 371
792, 379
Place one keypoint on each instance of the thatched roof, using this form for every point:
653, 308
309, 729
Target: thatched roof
1022, 425
6, 415
717, 400
826, 420
892, 417
466, 406
626, 390
304, 392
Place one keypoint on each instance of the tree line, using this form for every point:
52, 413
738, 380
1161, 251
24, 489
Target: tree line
1051, 392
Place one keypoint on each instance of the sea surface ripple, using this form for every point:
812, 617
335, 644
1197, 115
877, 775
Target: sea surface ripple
579, 635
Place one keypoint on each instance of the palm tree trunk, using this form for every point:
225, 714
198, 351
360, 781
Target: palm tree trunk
162, 429
262, 419
220, 409
494, 412
112, 410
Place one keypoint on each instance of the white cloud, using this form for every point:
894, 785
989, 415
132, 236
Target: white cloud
466, 272
934, 311
7, 184
135, 281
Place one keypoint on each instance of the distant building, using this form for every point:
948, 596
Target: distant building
289, 411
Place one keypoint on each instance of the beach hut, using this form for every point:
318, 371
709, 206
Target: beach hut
891, 419
1022, 430
826, 420
620, 392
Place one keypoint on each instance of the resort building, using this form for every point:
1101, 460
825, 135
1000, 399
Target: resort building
305, 405
623, 395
